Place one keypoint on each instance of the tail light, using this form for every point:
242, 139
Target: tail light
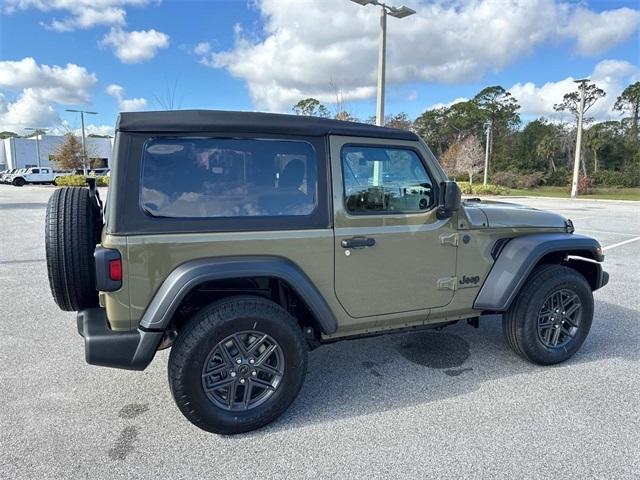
108, 269
115, 270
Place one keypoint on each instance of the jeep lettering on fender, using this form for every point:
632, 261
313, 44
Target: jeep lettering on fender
243, 240
469, 281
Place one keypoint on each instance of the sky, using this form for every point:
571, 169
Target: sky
109, 56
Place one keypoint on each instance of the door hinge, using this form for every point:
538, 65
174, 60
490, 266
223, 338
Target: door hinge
451, 239
448, 283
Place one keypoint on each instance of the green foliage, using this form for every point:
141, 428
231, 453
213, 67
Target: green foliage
518, 180
629, 102
80, 181
571, 101
7, 134
559, 178
310, 107
489, 189
540, 153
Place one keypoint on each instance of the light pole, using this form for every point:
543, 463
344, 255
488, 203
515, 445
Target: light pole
398, 12
486, 152
576, 162
84, 140
39, 131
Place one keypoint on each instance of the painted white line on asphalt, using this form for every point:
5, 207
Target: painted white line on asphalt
579, 230
621, 243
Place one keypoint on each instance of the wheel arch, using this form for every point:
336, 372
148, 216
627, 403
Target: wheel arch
189, 276
521, 255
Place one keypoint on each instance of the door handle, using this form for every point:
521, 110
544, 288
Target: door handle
358, 242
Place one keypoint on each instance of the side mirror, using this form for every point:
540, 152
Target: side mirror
450, 199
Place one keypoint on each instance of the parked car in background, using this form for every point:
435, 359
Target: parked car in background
6, 178
37, 175
99, 172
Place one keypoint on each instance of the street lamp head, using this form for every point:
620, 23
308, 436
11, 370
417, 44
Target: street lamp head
582, 80
401, 12
364, 2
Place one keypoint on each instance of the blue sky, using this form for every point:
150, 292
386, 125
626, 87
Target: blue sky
266, 54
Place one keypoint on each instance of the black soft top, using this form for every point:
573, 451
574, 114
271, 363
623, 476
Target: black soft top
182, 121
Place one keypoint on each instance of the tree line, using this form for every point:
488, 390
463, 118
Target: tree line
524, 155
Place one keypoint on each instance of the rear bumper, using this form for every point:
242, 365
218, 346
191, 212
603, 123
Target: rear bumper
132, 350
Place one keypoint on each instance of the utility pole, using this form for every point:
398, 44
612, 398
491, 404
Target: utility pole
84, 140
576, 162
39, 131
382, 51
486, 153
398, 12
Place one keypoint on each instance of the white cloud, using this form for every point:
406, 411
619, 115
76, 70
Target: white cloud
202, 48
80, 14
97, 130
596, 33
306, 48
37, 89
126, 104
68, 85
435, 106
27, 110
610, 75
135, 46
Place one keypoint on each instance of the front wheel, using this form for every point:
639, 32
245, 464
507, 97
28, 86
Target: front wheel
19, 182
550, 318
237, 365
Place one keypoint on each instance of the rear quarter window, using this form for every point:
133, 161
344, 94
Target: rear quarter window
228, 177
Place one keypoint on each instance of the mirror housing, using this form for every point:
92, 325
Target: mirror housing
450, 199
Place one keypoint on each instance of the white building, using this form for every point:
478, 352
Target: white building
40, 152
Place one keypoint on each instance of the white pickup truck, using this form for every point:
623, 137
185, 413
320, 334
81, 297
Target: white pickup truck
34, 175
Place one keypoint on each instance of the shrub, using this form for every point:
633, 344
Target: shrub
506, 179
560, 178
480, 189
585, 185
518, 180
80, 181
71, 181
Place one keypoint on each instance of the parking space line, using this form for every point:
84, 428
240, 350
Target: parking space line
578, 230
619, 244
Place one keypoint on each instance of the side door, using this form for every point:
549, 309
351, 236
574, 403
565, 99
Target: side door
392, 254
32, 175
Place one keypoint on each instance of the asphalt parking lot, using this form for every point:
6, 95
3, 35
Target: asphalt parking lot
449, 404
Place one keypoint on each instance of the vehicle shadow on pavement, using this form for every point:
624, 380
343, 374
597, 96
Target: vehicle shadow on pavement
369, 376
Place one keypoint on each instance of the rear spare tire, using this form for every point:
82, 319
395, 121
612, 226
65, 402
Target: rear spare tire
72, 230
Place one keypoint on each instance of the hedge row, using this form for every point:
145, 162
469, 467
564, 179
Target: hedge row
480, 189
80, 181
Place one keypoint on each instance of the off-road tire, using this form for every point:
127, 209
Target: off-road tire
520, 323
19, 182
72, 230
204, 331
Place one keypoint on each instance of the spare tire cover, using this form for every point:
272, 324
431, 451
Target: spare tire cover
73, 228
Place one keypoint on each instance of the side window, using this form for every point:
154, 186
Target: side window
385, 180
35, 170
226, 177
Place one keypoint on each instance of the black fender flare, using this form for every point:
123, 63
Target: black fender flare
518, 258
190, 274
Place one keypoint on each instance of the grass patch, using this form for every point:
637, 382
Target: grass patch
604, 193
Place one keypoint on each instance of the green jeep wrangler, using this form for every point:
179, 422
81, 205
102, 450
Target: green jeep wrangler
243, 240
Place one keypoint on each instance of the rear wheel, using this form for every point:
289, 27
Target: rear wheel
551, 316
72, 230
237, 365
19, 182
